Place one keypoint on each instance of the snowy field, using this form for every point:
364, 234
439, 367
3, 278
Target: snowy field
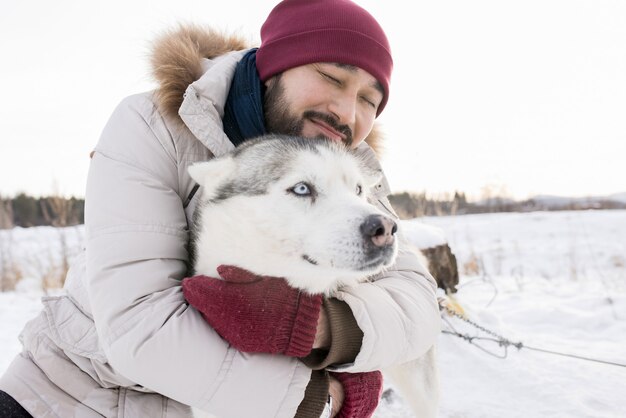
551, 280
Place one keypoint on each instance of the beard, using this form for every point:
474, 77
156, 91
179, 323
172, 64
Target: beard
280, 120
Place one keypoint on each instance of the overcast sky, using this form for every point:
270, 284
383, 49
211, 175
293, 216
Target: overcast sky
528, 96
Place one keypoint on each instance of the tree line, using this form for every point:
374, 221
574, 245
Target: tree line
414, 205
26, 211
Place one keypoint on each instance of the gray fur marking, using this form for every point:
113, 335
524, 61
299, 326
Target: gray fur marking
264, 161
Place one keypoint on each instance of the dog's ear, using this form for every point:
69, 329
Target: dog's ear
369, 165
210, 174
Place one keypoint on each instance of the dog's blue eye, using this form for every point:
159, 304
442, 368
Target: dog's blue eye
301, 189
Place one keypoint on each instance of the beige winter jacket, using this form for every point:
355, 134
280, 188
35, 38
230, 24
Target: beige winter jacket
122, 342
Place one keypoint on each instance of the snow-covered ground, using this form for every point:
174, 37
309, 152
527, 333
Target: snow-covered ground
551, 280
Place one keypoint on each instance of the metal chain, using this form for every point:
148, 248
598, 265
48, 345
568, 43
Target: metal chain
501, 340
504, 342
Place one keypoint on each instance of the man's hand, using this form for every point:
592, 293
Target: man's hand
335, 390
322, 336
256, 314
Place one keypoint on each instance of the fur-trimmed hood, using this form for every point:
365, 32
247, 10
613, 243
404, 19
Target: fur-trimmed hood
177, 62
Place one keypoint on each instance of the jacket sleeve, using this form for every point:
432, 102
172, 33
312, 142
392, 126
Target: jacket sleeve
136, 256
397, 313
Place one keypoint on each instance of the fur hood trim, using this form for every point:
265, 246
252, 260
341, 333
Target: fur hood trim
177, 62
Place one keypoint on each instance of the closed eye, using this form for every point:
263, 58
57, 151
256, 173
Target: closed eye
331, 78
369, 102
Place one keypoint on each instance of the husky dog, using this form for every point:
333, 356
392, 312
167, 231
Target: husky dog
298, 208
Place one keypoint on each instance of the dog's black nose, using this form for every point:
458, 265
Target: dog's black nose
380, 229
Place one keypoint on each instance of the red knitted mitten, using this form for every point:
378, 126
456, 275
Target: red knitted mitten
362, 393
256, 314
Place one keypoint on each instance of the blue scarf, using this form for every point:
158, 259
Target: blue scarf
243, 112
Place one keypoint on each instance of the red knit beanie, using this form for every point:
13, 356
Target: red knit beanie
299, 32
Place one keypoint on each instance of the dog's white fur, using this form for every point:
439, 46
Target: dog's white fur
250, 216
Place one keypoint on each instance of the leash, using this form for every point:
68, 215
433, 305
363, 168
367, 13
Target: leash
502, 341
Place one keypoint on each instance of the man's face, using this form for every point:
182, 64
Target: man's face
323, 100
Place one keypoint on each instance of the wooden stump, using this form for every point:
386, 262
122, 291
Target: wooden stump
442, 265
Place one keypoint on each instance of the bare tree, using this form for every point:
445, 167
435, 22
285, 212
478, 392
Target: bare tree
56, 211
10, 272
6, 214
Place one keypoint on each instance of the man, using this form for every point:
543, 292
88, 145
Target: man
123, 341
